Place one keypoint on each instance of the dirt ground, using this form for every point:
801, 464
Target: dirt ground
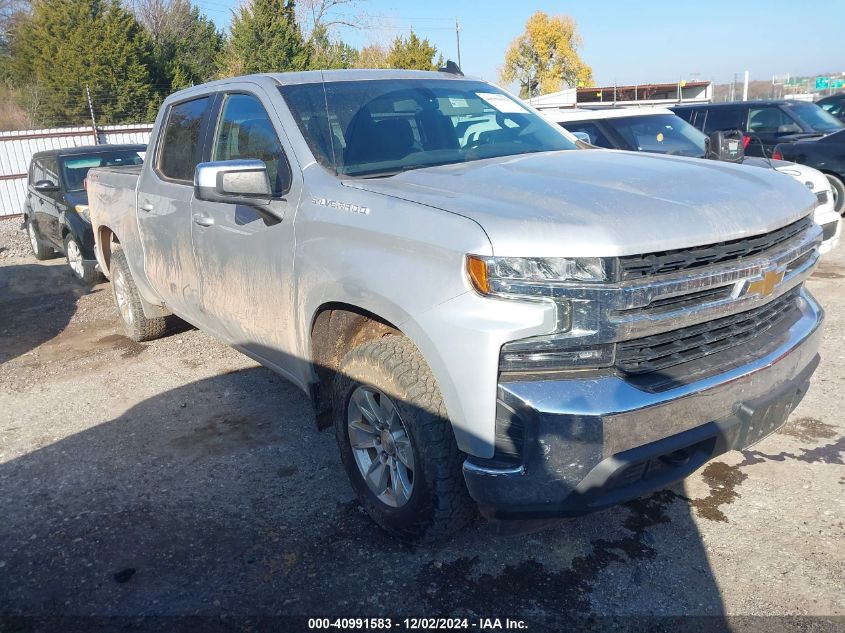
178, 478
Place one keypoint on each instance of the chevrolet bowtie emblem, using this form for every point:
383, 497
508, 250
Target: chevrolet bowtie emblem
766, 285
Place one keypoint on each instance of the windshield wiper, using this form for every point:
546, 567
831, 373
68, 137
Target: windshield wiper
404, 168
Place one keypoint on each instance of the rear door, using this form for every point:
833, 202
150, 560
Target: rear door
246, 261
164, 205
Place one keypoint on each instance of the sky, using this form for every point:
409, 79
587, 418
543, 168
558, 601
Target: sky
625, 42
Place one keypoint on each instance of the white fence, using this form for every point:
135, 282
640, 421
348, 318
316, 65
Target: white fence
17, 148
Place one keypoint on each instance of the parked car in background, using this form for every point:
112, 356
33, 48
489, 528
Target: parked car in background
55, 210
834, 104
482, 310
763, 123
660, 131
826, 154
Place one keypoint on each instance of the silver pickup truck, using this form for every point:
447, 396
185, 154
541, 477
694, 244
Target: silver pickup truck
490, 317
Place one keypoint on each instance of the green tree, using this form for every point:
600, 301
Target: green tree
327, 53
265, 37
69, 44
413, 53
545, 56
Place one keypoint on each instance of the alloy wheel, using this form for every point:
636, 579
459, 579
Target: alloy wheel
74, 258
381, 446
121, 296
33, 238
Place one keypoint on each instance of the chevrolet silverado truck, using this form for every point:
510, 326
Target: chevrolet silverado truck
490, 317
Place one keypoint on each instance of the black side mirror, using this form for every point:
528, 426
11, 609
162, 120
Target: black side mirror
46, 186
235, 182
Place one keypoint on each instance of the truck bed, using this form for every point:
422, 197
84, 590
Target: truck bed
112, 201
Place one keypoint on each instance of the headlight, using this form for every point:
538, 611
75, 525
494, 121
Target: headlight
532, 276
82, 209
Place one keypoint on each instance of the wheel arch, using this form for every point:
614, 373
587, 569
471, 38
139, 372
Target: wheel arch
337, 327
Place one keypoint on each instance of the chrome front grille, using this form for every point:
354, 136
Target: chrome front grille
634, 267
660, 351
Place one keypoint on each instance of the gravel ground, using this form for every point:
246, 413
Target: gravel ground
178, 478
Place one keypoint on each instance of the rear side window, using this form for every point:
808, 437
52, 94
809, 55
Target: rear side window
723, 119
597, 137
768, 119
685, 114
181, 139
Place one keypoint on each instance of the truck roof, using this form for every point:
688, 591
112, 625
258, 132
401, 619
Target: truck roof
89, 149
315, 76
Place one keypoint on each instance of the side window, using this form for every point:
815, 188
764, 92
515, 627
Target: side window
597, 137
245, 131
768, 119
687, 114
51, 170
723, 119
36, 172
180, 141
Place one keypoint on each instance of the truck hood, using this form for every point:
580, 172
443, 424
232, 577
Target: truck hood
602, 202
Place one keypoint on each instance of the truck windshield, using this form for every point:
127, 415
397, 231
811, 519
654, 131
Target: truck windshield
383, 127
660, 133
75, 168
817, 119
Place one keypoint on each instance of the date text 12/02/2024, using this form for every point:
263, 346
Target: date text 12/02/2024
417, 624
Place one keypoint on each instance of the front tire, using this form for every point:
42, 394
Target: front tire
838, 193
396, 442
128, 301
84, 270
39, 249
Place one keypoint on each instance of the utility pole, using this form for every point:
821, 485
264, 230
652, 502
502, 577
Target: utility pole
91, 110
458, 38
745, 88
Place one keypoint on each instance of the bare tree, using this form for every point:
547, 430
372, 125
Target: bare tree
10, 12
324, 14
161, 17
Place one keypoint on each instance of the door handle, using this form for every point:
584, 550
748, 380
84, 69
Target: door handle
146, 206
203, 220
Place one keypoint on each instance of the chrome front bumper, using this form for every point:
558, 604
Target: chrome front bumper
586, 443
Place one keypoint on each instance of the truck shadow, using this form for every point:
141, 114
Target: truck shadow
37, 302
220, 498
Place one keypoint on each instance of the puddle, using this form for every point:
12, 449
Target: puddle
723, 481
449, 586
808, 429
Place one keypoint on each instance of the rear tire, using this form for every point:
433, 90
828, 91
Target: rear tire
40, 250
838, 193
84, 270
128, 301
410, 433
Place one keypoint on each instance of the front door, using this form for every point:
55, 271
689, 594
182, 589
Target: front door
246, 261
44, 203
164, 206
766, 126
